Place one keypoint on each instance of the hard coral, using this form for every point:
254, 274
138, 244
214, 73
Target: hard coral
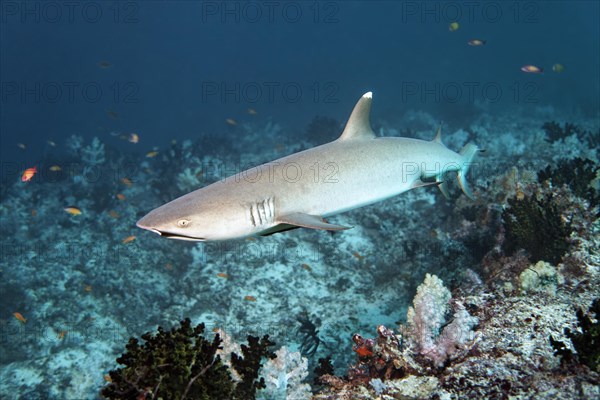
182, 364
537, 226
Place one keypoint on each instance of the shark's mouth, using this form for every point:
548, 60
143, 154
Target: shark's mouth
169, 235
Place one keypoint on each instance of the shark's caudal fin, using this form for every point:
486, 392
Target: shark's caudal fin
467, 153
358, 125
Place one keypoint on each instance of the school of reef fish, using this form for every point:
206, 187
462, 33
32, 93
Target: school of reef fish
426, 297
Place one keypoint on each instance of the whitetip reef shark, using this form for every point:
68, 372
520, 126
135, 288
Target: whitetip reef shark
301, 189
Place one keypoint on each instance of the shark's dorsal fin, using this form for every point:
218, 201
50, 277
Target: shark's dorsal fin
309, 221
358, 125
438, 135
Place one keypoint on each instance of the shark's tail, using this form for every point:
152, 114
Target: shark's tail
467, 153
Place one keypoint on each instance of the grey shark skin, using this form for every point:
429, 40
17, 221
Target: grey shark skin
299, 190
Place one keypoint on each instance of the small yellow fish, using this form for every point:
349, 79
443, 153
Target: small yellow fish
127, 181
20, 317
249, 298
107, 378
51, 143
121, 196
55, 168
453, 26
222, 275
128, 239
87, 288
151, 154
73, 210
558, 68
133, 138
231, 121
476, 42
252, 111
21, 146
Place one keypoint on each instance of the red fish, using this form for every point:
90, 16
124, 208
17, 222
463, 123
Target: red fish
28, 174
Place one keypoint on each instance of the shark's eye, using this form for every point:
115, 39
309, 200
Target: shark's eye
183, 223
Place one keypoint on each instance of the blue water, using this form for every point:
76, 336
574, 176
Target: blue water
182, 68
204, 82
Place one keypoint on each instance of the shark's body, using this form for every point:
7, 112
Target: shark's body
299, 190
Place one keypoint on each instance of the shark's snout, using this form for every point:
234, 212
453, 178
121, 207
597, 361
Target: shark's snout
145, 223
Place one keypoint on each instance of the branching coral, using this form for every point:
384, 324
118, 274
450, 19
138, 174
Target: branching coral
182, 364
426, 320
586, 341
577, 174
284, 376
93, 154
537, 226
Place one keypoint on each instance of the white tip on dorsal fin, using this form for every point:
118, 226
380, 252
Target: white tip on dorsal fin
358, 125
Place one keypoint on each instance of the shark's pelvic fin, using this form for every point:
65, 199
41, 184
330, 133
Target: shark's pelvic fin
309, 221
358, 125
467, 153
444, 188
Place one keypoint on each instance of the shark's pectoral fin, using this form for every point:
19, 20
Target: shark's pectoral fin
277, 229
309, 221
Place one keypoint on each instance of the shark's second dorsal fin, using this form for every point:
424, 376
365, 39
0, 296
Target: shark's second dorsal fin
358, 125
438, 136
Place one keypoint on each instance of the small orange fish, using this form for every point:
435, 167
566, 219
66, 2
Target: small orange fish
127, 181
357, 255
128, 239
363, 351
222, 275
151, 154
252, 111
87, 288
249, 298
113, 214
73, 210
55, 168
107, 378
169, 266
231, 121
28, 174
532, 69
20, 317
121, 196
33, 212
476, 42
307, 267
21, 146
61, 335
133, 138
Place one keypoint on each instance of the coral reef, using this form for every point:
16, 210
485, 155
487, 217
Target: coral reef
586, 339
537, 226
284, 377
181, 363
